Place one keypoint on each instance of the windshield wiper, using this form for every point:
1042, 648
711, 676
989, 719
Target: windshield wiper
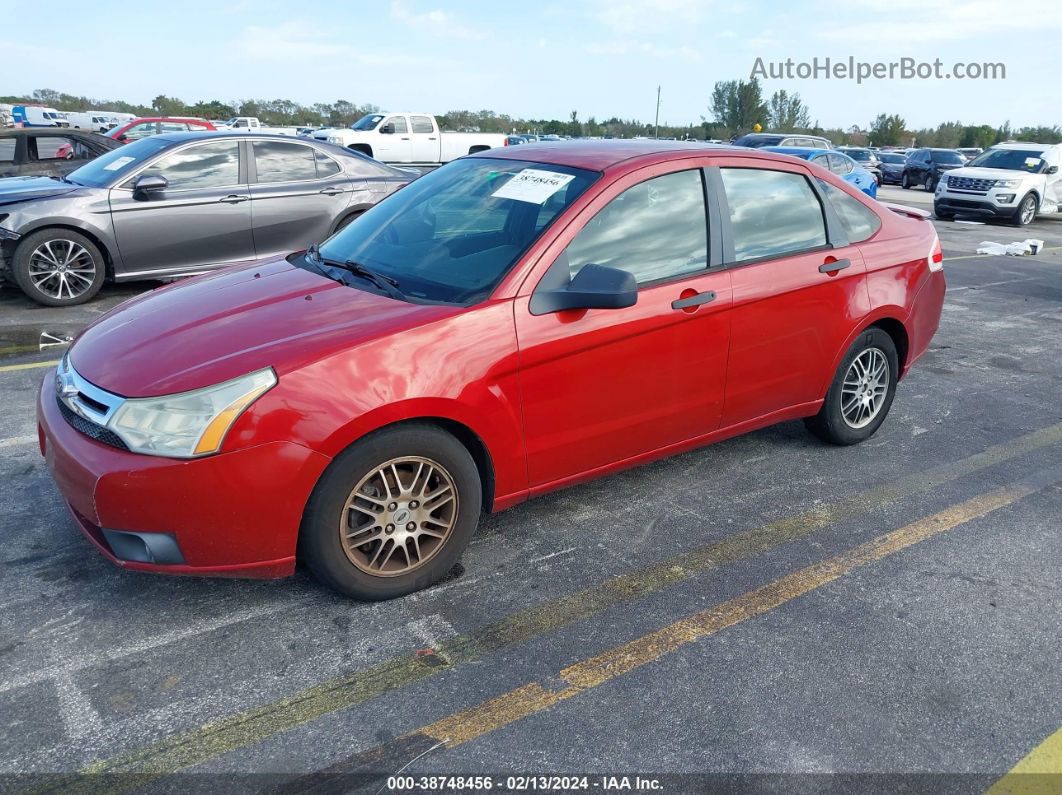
386, 283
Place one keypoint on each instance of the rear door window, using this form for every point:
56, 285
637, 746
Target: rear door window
840, 164
657, 229
280, 161
422, 124
771, 213
326, 166
7, 150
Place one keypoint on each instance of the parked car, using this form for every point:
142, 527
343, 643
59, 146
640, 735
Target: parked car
969, 152
515, 140
926, 166
891, 166
178, 204
512, 323
837, 162
93, 121
757, 140
1012, 180
48, 151
413, 138
867, 158
135, 129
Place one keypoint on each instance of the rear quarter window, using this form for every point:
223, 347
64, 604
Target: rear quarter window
858, 220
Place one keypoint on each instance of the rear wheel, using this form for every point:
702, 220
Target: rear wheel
905, 181
862, 391
58, 267
393, 513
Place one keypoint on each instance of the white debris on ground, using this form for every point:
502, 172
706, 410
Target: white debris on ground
1016, 249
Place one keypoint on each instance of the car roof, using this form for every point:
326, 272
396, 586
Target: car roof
797, 151
36, 131
1023, 145
198, 135
600, 155
140, 119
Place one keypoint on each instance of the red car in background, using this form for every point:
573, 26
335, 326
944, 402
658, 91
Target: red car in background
516, 321
142, 128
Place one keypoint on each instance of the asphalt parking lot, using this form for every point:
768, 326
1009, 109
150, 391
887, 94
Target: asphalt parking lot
765, 605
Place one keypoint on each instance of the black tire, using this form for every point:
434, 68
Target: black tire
320, 546
1027, 200
60, 240
344, 222
905, 181
943, 216
829, 424
931, 184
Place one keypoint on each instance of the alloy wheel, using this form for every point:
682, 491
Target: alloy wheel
865, 385
61, 269
399, 516
1028, 210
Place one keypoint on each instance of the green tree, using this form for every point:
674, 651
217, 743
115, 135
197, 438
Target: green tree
787, 112
738, 104
887, 130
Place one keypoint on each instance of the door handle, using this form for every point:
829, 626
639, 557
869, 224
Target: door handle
233, 199
331, 191
834, 265
406, 138
694, 300
432, 138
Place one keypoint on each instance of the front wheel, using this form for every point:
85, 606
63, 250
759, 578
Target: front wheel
905, 181
1026, 212
58, 267
862, 391
931, 184
393, 513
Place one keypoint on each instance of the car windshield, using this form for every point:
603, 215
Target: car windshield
1010, 159
104, 169
367, 122
947, 157
889, 157
452, 235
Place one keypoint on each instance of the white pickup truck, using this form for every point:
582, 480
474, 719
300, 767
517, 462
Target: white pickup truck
251, 124
408, 138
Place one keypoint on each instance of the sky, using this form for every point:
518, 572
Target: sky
541, 59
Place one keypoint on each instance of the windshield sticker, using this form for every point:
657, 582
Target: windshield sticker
117, 164
1032, 162
533, 185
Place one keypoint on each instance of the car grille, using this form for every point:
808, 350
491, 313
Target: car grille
970, 184
89, 428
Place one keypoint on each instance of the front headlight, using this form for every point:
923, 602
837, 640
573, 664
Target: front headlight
1007, 183
188, 424
334, 139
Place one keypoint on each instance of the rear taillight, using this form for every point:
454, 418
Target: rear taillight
506, 141
936, 256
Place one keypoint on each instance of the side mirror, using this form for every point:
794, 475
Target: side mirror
593, 287
1052, 170
150, 183
387, 129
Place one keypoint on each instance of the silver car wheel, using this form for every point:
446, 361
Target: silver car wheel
61, 269
1028, 210
865, 385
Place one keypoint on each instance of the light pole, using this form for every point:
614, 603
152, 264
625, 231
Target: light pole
656, 124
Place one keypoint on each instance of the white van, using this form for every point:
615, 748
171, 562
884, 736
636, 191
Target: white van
37, 116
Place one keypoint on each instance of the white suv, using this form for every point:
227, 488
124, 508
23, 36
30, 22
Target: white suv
1011, 180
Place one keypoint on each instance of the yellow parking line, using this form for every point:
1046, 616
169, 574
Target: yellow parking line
1038, 773
7, 368
252, 726
590, 673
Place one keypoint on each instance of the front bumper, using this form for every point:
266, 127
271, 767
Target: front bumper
956, 205
235, 514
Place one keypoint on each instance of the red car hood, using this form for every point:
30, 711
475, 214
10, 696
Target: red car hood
213, 328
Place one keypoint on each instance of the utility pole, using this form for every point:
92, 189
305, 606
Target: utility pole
656, 124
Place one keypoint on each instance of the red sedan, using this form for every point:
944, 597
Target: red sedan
142, 128
514, 322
